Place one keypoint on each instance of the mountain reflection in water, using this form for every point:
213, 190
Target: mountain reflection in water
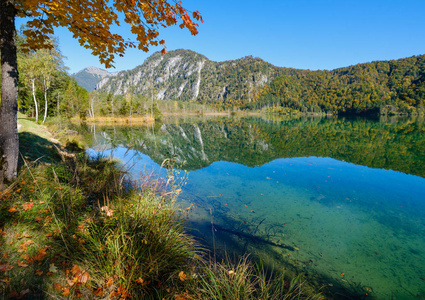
323, 196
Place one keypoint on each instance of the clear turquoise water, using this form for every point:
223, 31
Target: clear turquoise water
341, 223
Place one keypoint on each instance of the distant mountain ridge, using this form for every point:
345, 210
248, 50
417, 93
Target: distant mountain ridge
379, 87
90, 76
187, 75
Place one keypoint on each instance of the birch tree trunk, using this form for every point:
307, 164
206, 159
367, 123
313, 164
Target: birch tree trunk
45, 100
35, 99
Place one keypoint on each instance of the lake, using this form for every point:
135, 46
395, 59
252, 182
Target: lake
340, 200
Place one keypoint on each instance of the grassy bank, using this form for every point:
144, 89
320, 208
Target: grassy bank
78, 227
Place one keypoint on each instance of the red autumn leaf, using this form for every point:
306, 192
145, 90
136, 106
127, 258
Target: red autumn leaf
13, 209
57, 286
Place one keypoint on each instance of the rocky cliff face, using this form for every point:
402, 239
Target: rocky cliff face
187, 75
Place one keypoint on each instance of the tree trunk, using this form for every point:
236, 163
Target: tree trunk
9, 140
45, 101
35, 100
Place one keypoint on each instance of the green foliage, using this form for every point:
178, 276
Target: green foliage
385, 87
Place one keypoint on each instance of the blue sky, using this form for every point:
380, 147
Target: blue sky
305, 34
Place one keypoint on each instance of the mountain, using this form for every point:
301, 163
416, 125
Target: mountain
187, 75
90, 76
379, 87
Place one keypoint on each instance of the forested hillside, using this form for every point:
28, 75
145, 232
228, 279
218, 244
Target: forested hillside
386, 87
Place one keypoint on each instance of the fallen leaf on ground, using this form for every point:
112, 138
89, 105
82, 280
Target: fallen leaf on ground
182, 276
27, 206
109, 281
53, 268
6, 267
98, 292
66, 292
22, 264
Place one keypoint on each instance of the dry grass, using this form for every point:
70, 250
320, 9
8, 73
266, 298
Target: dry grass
123, 120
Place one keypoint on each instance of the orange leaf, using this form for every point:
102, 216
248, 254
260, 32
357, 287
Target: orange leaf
110, 281
13, 209
75, 269
57, 286
41, 254
182, 276
27, 206
98, 292
25, 256
66, 292
38, 272
22, 264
